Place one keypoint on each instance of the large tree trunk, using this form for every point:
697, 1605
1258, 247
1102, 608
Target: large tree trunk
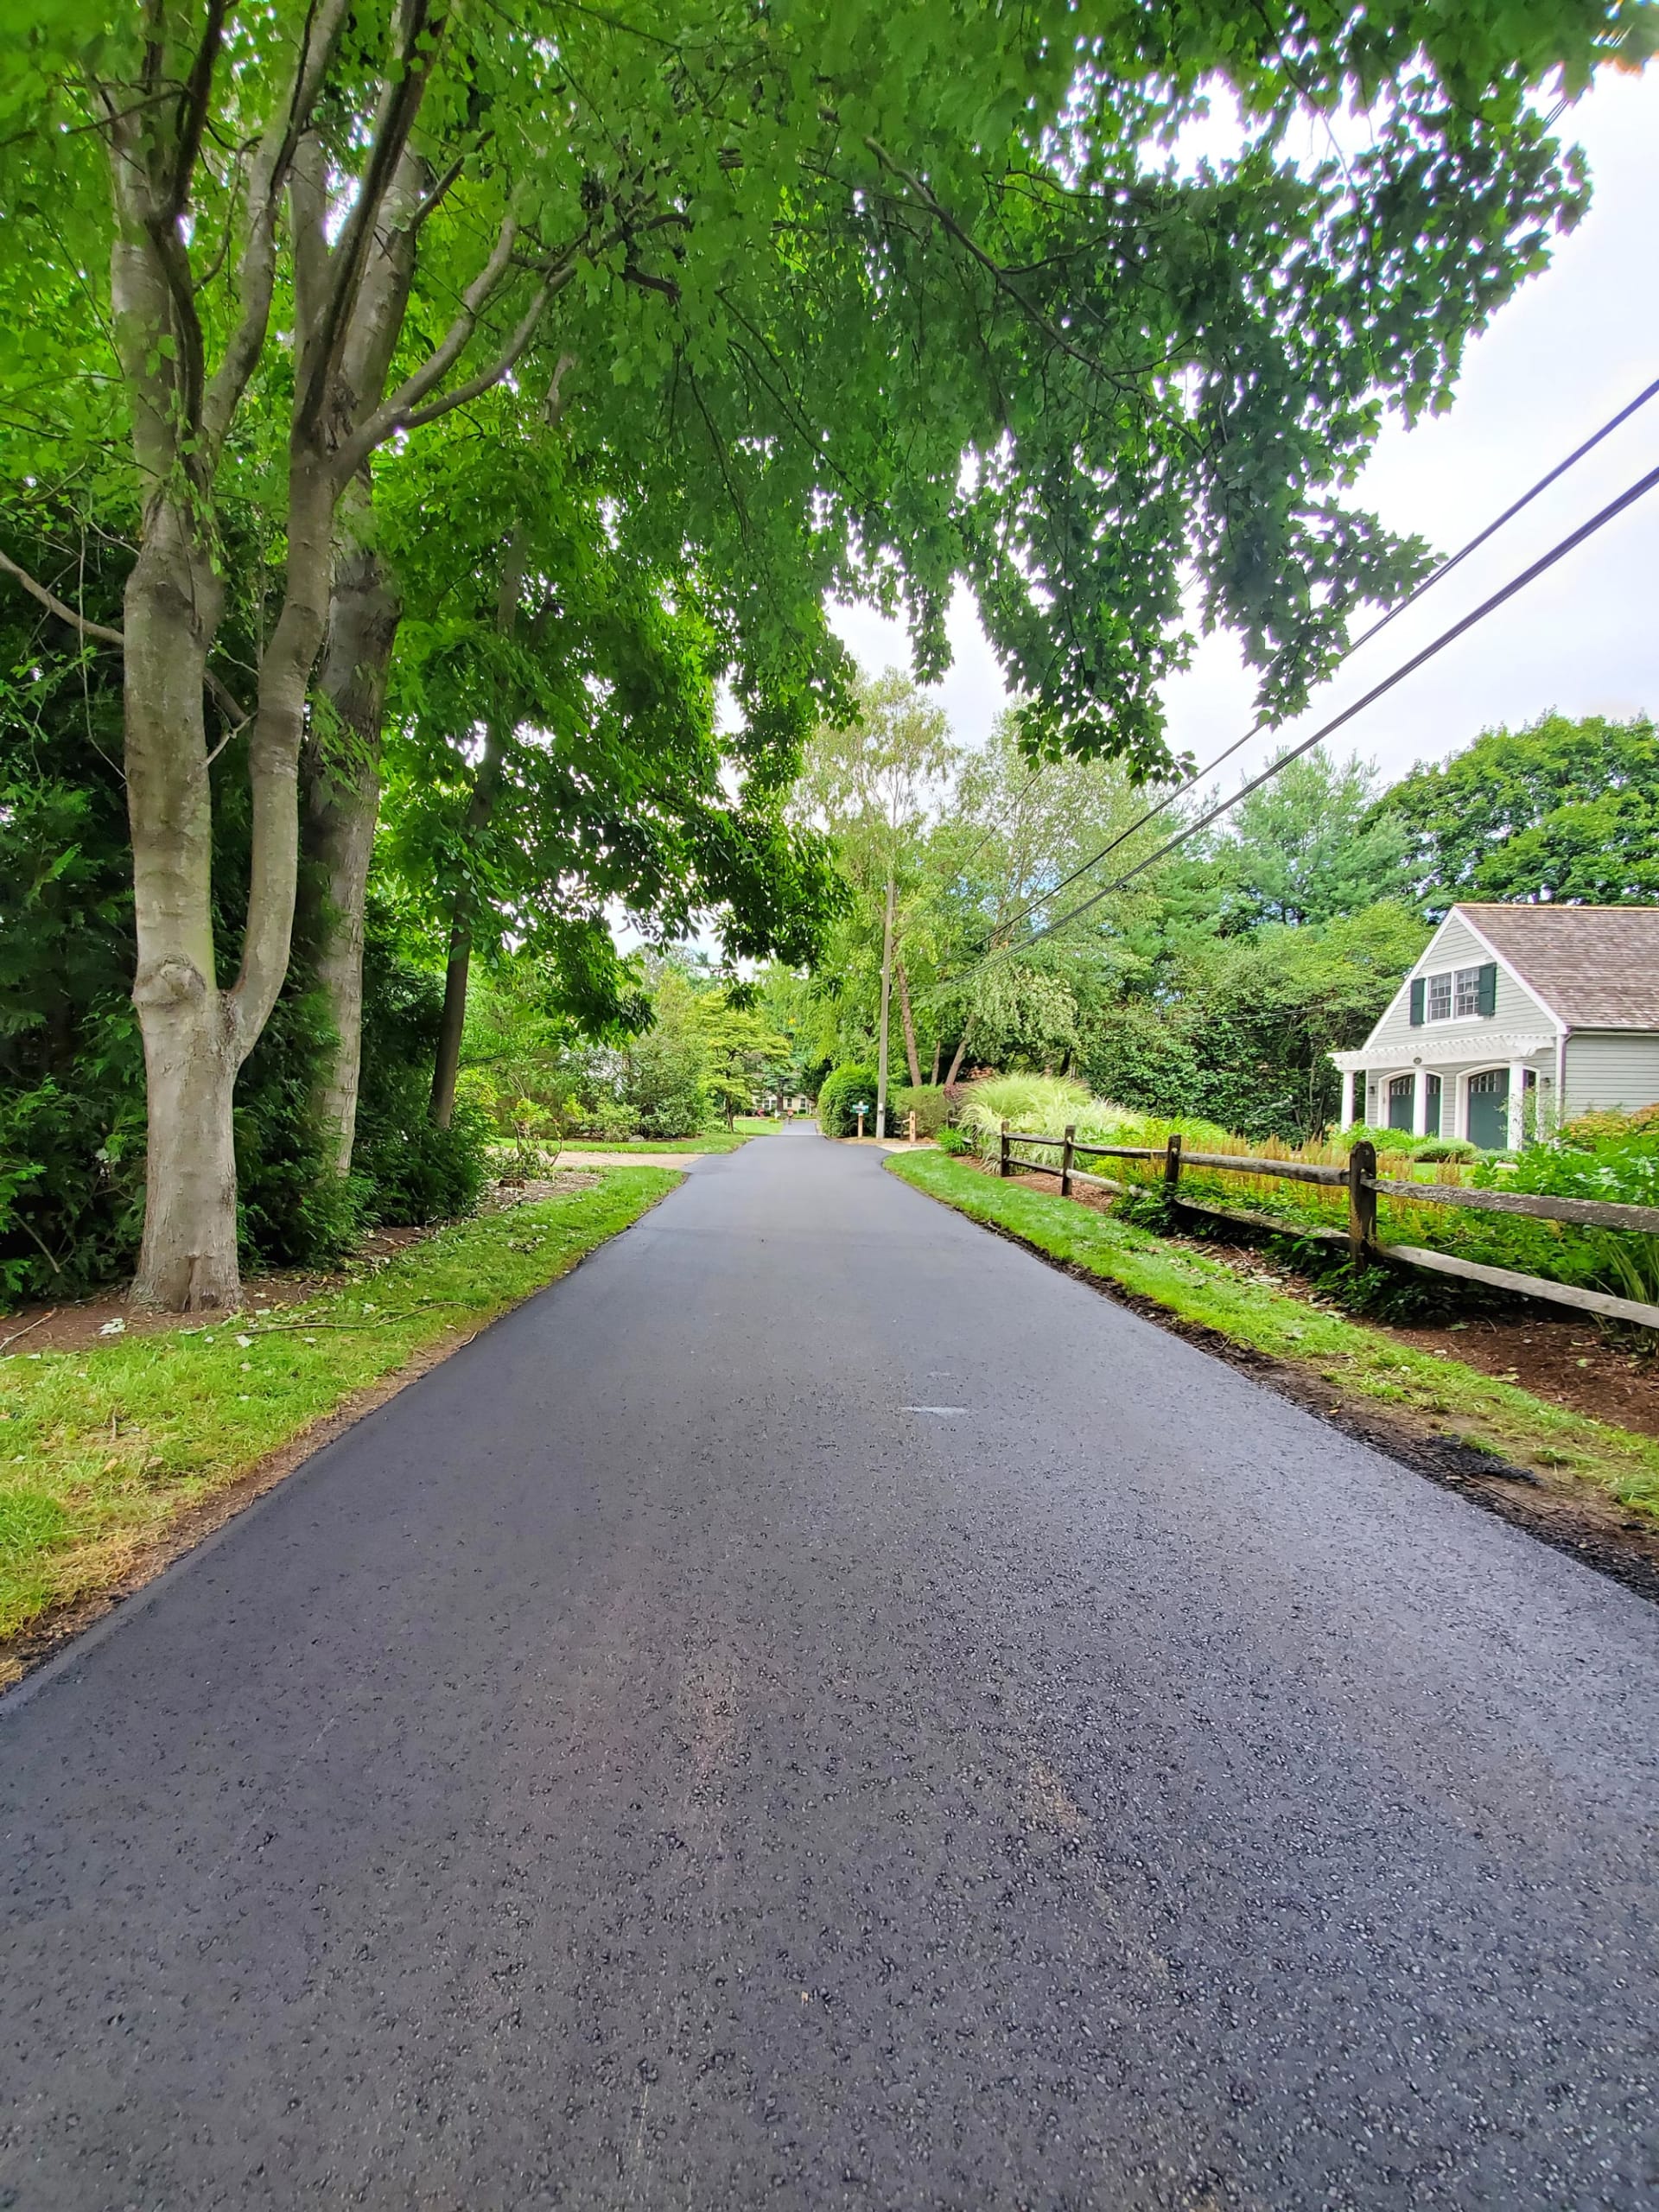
955, 1058
187, 1258
196, 1036
446, 1066
188, 1263
910, 1026
342, 765
342, 801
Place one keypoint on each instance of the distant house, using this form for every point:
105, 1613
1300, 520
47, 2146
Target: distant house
1557, 1002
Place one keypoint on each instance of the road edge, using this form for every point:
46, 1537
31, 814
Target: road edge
53, 1637
1573, 1526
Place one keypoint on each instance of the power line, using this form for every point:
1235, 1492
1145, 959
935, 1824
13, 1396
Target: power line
1557, 552
1435, 575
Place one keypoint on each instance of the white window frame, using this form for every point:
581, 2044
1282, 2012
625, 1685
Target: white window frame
1431, 1011
1466, 993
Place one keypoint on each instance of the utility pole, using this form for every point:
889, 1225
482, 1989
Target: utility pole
886, 1000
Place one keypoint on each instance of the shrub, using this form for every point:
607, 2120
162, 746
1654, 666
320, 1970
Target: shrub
419, 1172
928, 1104
1445, 1149
953, 1141
613, 1123
843, 1088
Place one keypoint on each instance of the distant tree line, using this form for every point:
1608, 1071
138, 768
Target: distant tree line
1216, 984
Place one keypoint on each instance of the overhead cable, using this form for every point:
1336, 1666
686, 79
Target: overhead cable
1547, 561
1435, 575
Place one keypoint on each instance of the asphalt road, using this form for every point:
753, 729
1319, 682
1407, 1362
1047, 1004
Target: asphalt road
818, 1709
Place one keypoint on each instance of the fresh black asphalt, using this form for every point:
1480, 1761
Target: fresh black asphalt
818, 1709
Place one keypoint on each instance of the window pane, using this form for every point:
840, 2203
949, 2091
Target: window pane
1468, 990
1439, 997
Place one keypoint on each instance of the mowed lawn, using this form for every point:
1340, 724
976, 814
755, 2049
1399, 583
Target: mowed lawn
101, 1449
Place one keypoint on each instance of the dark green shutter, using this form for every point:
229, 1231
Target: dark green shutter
1417, 1003
1489, 987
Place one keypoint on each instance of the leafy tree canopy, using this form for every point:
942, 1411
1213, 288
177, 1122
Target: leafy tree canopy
1560, 810
1310, 846
920, 290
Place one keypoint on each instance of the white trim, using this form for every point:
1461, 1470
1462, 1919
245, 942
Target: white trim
1508, 966
1492, 1047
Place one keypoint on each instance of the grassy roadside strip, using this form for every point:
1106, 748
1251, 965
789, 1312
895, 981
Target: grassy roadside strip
651, 1144
748, 1125
101, 1450
1457, 1400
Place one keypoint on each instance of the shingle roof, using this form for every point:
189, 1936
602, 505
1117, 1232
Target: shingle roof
1597, 967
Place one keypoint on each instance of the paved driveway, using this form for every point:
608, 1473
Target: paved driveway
817, 1709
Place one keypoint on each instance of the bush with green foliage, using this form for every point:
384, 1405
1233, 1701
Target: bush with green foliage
928, 1102
842, 1088
953, 1141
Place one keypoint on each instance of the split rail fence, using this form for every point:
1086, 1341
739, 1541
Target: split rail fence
1364, 1186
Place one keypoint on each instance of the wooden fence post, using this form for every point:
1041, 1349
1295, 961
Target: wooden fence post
1172, 1167
1362, 1202
1003, 1167
912, 1128
1066, 1159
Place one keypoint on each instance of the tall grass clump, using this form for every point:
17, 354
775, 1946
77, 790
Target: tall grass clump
1041, 1104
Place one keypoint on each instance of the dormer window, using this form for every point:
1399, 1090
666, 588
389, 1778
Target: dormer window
1455, 994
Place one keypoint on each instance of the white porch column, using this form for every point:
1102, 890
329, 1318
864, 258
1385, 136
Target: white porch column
1517, 1100
1419, 1101
1347, 1122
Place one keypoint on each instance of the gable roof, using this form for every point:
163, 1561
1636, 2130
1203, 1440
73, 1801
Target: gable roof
1594, 967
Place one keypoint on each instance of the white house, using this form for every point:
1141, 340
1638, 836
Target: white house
1560, 1001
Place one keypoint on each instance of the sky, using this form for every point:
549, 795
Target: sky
1572, 348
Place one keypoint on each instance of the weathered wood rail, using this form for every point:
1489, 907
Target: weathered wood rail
1364, 1186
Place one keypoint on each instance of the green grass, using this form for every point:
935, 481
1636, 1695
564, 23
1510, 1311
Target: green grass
1457, 1400
719, 1142
99, 1450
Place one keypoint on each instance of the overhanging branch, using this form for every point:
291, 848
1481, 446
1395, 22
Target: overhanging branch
223, 698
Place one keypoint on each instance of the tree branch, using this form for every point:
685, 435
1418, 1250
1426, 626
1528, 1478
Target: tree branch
193, 119
257, 274
391, 414
994, 270
53, 605
439, 193
223, 698
399, 106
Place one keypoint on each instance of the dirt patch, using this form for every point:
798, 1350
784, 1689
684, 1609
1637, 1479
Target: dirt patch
78, 1325
1566, 1363
1597, 1531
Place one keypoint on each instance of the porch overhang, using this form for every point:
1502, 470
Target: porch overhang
1447, 1049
